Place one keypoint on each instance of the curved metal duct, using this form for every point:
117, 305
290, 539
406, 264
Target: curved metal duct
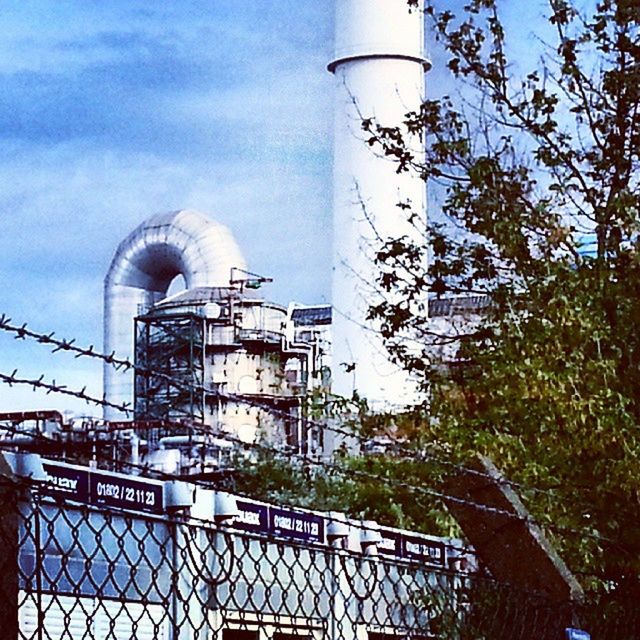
166, 245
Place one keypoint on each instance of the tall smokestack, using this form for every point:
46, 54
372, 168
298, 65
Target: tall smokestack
379, 67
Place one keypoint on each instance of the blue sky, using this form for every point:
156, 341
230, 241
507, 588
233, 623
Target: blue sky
113, 111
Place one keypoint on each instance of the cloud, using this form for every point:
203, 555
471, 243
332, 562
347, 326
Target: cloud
111, 112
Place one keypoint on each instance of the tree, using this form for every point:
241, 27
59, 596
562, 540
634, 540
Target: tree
546, 381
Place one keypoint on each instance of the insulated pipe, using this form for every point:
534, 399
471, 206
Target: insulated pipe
379, 67
183, 243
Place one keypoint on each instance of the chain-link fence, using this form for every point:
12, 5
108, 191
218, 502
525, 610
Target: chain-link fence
76, 571
72, 571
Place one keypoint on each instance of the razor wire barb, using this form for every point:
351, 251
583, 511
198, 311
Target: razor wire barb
61, 344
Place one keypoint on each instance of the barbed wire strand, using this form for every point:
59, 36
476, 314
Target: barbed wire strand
53, 387
354, 473
327, 465
163, 475
23, 332
331, 467
125, 408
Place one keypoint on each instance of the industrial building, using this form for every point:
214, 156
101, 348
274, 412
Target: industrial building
379, 65
159, 552
94, 552
216, 354
221, 356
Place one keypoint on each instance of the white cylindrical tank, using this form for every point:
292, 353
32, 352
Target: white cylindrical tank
164, 246
379, 67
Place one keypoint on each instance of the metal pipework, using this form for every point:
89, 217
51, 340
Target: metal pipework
166, 245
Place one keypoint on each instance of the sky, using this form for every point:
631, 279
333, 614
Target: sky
113, 111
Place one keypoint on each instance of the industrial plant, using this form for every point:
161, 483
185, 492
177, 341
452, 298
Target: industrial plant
216, 355
115, 528
219, 355
220, 358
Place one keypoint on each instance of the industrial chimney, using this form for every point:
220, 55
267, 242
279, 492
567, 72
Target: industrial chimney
379, 67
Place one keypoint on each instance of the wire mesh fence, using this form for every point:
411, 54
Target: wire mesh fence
74, 571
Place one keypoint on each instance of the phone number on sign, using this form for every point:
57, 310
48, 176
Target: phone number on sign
125, 494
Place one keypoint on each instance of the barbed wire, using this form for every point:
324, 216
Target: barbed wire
23, 332
163, 475
412, 488
345, 472
61, 344
354, 473
53, 387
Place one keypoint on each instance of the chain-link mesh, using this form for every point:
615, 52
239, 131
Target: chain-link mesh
72, 572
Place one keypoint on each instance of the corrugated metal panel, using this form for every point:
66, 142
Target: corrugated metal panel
118, 621
439, 307
69, 618
309, 316
63, 618
28, 616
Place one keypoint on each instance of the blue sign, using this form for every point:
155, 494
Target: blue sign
391, 543
251, 517
296, 524
423, 549
126, 493
67, 482
262, 518
577, 634
411, 547
104, 488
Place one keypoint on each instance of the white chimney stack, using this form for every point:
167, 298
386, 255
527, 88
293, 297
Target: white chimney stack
379, 67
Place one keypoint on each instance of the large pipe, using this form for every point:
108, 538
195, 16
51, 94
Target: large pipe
183, 243
379, 67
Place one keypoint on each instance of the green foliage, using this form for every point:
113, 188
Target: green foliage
545, 381
474, 608
350, 484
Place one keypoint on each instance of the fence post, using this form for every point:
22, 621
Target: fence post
9, 532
